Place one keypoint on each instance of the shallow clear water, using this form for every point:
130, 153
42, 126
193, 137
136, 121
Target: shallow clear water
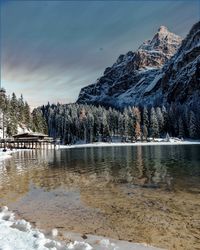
145, 194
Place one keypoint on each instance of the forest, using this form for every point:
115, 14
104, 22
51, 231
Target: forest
15, 113
77, 122
72, 123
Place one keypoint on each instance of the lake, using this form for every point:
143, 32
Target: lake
136, 193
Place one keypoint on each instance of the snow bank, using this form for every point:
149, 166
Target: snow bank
115, 144
19, 235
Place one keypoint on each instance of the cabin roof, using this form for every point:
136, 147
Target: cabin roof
30, 134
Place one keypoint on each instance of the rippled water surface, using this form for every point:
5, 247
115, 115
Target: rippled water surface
145, 194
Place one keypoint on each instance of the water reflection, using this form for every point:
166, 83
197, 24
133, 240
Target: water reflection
132, 193
153, 167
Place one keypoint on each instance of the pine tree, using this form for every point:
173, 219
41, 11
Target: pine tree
181, 132
160, 120
13, 115
90, 121
121, 125
165, 119
145, 132
106, 130
27, 115
39, 124
145, 116
21, 108
172, 120
137, 128
193, 126
154, 127
126, 124
137, 131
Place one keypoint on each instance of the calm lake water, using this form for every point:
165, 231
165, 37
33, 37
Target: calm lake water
141, 193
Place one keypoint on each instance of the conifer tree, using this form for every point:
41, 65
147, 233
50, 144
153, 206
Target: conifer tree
39, 125
121, 125
145, 132
145, 117
154, 127
137, 126
165, 119
160, 119
192, 125
181, 132
27, 115
137, 131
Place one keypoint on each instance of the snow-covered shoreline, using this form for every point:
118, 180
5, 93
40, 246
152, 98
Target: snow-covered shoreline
19, 234
119, 144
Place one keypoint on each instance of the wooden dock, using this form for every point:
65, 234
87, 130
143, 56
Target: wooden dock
27, 144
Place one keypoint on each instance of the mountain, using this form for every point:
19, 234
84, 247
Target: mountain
164, 69
129, 77
180, 80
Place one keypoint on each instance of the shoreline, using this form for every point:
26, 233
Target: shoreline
119, 144
19, 233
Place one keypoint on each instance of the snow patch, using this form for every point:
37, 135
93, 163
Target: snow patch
19, 235
158, 141
153, 83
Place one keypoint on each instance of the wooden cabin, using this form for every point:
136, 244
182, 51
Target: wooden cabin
29, 140
29, 136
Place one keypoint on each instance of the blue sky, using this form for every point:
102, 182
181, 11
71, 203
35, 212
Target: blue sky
50, 49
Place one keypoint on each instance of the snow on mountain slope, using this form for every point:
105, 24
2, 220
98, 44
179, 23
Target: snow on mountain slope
181, 75
164, 42
127, 81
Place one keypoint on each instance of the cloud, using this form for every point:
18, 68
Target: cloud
50, 49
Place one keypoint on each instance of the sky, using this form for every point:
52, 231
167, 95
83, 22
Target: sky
51, 49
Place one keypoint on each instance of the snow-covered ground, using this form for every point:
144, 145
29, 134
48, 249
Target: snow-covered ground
19, 235
115, 144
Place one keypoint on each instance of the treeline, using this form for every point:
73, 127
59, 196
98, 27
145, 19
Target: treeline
15, 113
75, 122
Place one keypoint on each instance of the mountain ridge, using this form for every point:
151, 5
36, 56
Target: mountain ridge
140, 77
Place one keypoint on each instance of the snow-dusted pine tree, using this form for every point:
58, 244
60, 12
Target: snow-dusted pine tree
154, 127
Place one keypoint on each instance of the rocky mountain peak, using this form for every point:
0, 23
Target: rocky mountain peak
140, 78
164, 42
163, 29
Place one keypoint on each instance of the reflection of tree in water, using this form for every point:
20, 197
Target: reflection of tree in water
155, 169
150, 166
140, 166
